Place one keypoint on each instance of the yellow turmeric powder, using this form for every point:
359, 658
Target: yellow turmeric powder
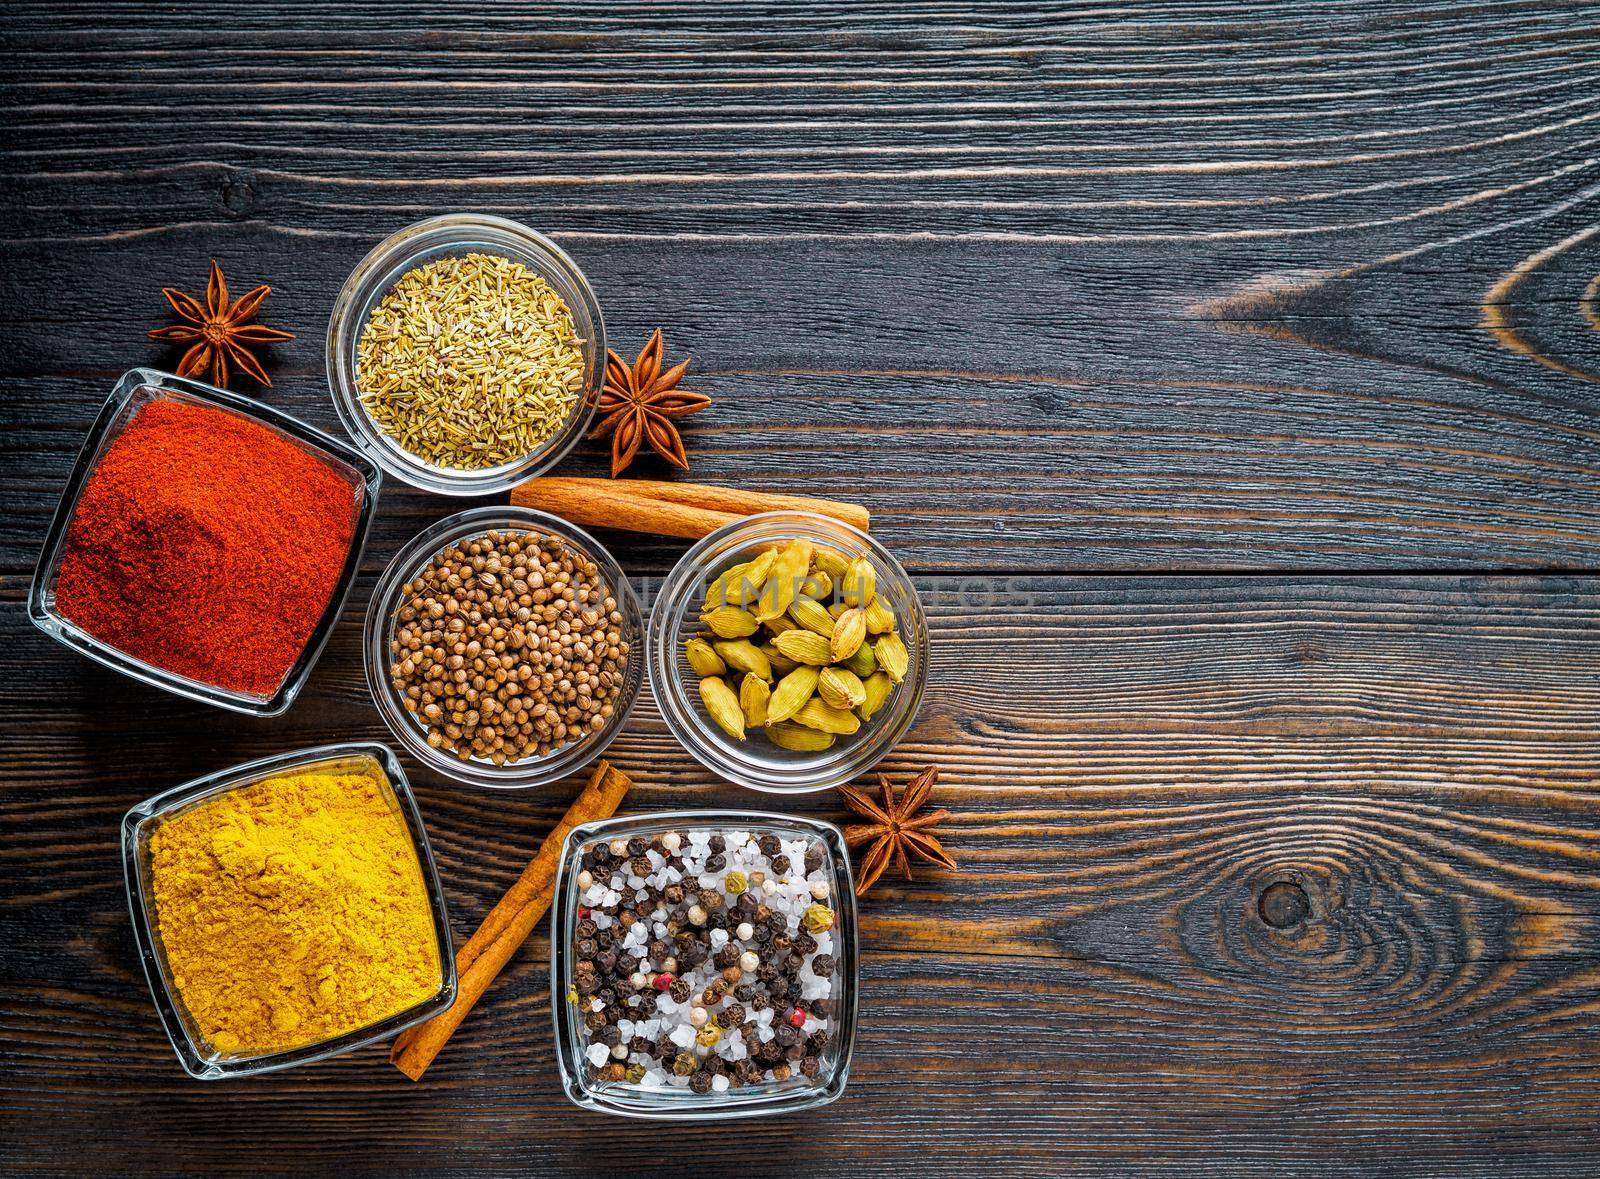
293, 910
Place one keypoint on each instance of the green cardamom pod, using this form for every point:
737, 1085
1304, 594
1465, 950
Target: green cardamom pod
776, 626
804, 645
817, 715
781, 663
817, 585
860, 583
753, 696
788, 735
792, 692
877, 689
837, 609
812, 615
723, 706
730, 622
841, 688
863, 662
880, 619
892, 656
830, 561
703, 659
849, 632
743, 655
788, 571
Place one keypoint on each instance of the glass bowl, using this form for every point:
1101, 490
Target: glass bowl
137, 388
769, 1097
200, 1059
416, 245
380, 628
756, 762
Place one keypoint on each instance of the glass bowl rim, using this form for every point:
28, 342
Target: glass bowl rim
681, 715
346, 459
143, 817
405, 249
721, 1106
416, 553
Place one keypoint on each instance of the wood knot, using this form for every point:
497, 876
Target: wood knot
238, 193
1284, 904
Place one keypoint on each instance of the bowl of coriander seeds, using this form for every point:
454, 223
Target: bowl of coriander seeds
465, 353
502, 647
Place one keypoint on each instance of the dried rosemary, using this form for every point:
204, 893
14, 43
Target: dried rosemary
470, 361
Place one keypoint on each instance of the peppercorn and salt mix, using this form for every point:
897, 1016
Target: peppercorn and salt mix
705, 960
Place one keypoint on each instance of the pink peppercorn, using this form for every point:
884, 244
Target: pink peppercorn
797, 1017
661, 981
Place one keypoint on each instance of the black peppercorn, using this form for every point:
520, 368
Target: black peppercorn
641, 866
700, 1082
586, 978
717, 843
780, 1072
780, 865
785, 1034
606, 960
805, 943
810, 1066
586, 929
715, 1065
794, 1051
817, 1041
814, 859
588, 947
673, 894
681, 990
638, 845
716, 863
823, 966
744, 992
770, 845
759, 1001
710, 900
731, 1016
595, 1020
821, 1008
608, 1035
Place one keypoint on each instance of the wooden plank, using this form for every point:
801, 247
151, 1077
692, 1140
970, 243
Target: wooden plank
1253, 870
983, 272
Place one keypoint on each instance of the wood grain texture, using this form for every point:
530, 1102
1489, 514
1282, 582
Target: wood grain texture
1283, 872
969, 266
1252, 869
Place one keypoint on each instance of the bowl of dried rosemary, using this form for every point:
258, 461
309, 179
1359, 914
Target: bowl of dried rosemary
465, 353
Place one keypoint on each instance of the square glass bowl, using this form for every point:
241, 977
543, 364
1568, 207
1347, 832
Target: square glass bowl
198, 1058
671, 1104
137, 388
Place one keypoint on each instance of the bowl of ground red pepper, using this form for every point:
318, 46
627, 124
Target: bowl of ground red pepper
205, 543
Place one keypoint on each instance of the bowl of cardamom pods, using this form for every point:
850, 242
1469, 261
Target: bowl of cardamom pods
788, 652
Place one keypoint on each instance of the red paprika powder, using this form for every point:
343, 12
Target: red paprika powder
207, 544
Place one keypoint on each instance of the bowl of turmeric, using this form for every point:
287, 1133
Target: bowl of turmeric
288, 910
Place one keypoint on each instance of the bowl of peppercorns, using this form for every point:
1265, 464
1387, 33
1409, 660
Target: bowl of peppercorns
703, 964
501, 647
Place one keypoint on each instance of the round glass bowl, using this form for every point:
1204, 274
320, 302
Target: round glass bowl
380, 631
756, 762
417, 245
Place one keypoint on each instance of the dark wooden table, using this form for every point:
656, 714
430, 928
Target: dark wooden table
1225, 372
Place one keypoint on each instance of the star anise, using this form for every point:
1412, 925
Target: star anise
219, 332
895, 828
640, 405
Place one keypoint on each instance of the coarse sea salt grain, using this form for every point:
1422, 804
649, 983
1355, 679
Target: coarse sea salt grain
598, 1054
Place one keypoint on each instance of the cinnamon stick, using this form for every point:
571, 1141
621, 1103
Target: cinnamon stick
480, 961
690, 510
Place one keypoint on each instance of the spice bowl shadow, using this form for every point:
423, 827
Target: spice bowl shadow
199, 1058
457, 234
136, 389
381, 629
756, 762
